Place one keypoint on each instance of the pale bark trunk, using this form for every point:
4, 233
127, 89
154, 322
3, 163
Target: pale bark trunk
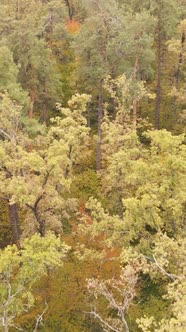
6, 328
124, 323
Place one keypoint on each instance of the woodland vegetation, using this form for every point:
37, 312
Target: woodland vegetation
92, 165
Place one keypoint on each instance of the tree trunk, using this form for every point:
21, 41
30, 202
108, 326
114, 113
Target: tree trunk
13, 218
88, 116
42, 228
17, 10
134, 103
158, 80
44, 114
40, 222
31, 108
70, 9
134, 113
100, 117
14, 223
44, 110
120, 205
180, 58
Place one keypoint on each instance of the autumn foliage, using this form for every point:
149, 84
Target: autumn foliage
72, 26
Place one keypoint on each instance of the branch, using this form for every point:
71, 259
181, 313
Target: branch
124, 322
66, 173
98, 5
4, 198
105, 292
39, 319
37, 201
93, 313
41, 196
7, 318
169, 275
17, 327
46, 177
5, 134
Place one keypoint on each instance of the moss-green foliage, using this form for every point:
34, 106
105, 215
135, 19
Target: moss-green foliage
86, 185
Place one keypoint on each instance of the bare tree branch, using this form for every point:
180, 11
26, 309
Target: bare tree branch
169, 275
39, 319
96, 315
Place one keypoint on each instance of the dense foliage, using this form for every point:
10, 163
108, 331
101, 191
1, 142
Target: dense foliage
92, 165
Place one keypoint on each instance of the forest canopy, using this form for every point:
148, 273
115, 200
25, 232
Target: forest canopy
92, 165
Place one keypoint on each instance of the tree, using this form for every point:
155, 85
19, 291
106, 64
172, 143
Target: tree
31, 24
176, 48
149, 181
120, 208
9, 76
166, 24
39, 178
120, 134
168, 256
119, 293
150, 228
9, 133
38, 71
20, 269
116, 41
